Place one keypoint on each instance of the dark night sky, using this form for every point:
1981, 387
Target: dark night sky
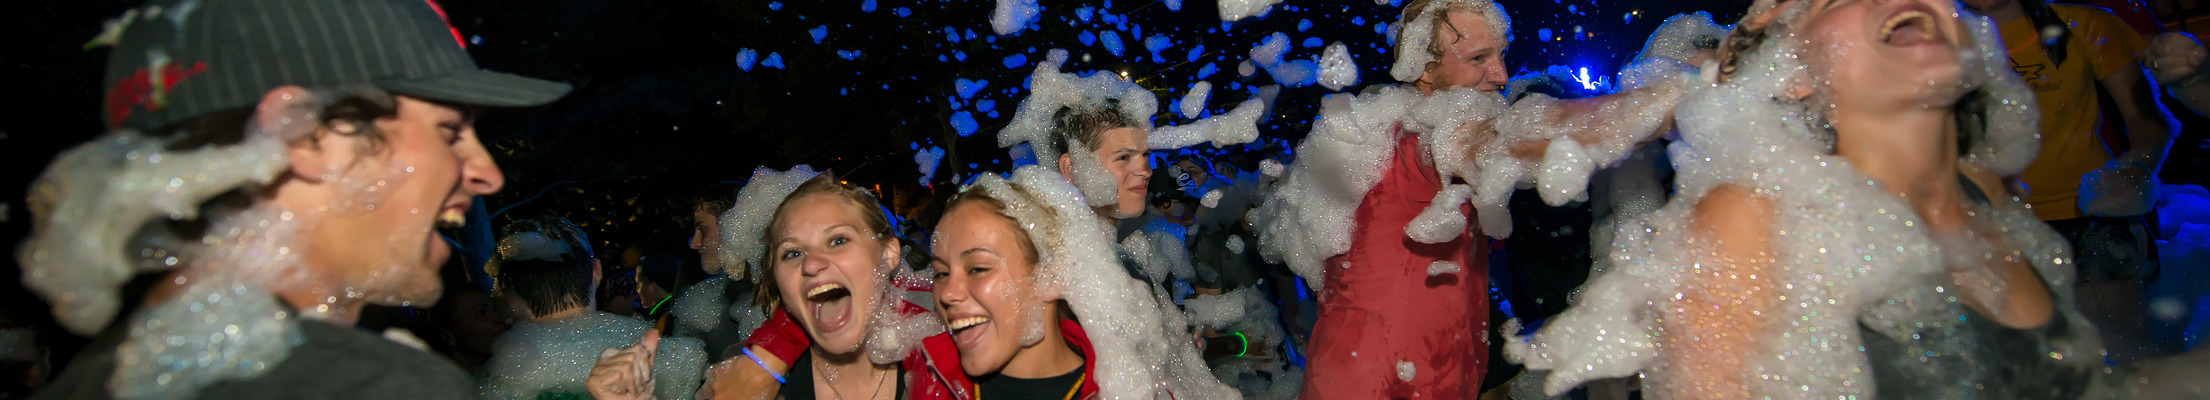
662, 109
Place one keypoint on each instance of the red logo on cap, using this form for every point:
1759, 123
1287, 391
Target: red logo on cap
137, 90
448, 23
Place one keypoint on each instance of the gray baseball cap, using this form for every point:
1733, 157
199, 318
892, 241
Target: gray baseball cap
175, 60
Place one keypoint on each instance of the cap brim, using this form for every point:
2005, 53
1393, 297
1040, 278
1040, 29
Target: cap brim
481, 88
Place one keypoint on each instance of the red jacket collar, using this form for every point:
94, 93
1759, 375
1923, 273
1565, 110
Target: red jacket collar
941, 357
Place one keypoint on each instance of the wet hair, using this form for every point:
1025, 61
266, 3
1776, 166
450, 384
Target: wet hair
997, 207
1087, 125
2045, 21
548, 286
1500, 25
769, 296
1021, 234
718, 198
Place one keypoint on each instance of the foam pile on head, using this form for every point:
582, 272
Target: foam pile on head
1076, 260
1054, 96
746, 222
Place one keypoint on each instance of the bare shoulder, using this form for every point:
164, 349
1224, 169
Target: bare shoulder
1731, 211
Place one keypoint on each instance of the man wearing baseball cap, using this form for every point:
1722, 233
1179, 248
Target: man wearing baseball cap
271, 168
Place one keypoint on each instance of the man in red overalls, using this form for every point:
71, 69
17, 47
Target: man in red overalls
1384, 318
1392, 323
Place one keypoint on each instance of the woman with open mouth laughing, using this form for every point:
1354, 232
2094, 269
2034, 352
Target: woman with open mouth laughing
835, 272
1039, 306
1006, 325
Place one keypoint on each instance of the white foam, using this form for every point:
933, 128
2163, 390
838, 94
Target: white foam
1566, 168
1011, 16
1337, 71
1142, 343
1852, 255
1306, 219
1231, 10
743, 226
1293, 73
928, 159
894, 335
1219, 310
1050, 90
1406, 371
1440, 268
701, 307
87, 209
1441, 221
1235, 244
1193, 103
534, 359
1236, 127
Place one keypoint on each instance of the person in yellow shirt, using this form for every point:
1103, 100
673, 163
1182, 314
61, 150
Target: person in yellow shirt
2070, 54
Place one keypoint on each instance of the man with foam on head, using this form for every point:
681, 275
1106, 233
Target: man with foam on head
1402, 276
272, 167
547, 275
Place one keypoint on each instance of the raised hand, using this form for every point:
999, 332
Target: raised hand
625, 373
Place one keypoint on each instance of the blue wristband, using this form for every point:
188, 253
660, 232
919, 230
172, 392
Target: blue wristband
763, 365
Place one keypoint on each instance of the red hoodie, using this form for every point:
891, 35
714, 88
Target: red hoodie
932, 372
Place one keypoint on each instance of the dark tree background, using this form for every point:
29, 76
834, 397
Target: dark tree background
663, 108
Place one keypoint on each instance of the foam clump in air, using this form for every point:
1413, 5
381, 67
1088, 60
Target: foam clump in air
929, 159
1193, 103
1236, 127
1308, 217
1218, 310
746, 222
1271, 168
1235, 244
1293, 73
1051, 90
1011, 16
1406, 371
1232, 10
1337, 71
1144, 351
1854, 261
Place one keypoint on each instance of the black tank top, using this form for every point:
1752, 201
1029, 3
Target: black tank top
1965, 355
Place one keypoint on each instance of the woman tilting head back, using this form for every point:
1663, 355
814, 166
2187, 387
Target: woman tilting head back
1839, 213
